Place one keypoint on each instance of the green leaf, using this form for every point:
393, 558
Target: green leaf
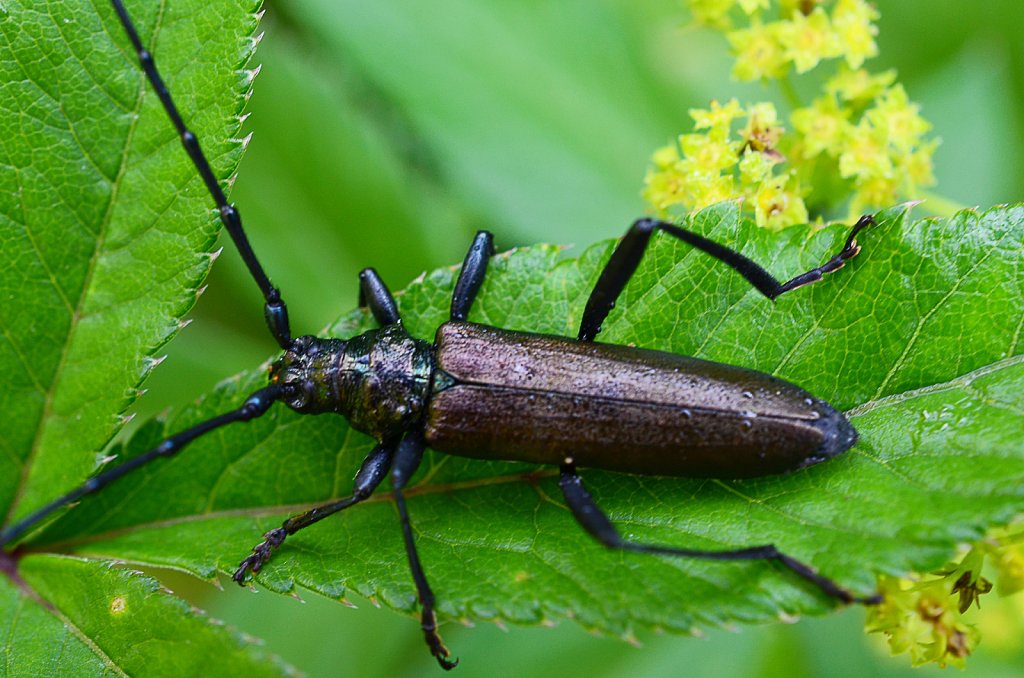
106, 233
68, 616
909, 337
107, 228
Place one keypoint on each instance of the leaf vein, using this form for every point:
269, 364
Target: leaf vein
901, 360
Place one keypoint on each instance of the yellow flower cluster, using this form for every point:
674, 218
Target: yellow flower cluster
926, 617
801, 33
875, 134
863, 128
722, 164
923, 620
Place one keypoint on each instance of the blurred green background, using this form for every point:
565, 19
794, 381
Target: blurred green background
386, 133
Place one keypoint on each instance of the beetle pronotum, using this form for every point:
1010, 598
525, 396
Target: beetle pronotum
480, 391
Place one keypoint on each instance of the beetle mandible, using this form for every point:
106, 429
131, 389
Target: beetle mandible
485, 392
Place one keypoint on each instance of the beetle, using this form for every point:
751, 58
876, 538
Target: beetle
480, 391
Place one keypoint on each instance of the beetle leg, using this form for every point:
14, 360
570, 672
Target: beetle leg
594, 521
474, 268
375, 294
373, 470
255, 406
630, 250
410, 453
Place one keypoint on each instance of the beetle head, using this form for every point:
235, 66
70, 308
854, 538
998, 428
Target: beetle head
305, 369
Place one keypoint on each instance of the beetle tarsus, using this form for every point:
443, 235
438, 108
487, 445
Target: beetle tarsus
826, 585
373, 470
850, 249
261, 553
851, 246
434, 642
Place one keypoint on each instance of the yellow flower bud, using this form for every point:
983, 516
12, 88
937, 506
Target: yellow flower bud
759, 52
852, 21
809, 39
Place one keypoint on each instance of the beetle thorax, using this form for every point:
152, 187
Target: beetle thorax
378, 380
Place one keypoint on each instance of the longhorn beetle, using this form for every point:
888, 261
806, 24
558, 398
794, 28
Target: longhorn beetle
485, 392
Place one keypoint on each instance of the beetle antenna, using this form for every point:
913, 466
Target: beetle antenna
275, 311
255, 406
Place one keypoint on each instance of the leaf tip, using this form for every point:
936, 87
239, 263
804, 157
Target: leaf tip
153, 361
249, 74
788, 617
630, 637
909, 205
244, 141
